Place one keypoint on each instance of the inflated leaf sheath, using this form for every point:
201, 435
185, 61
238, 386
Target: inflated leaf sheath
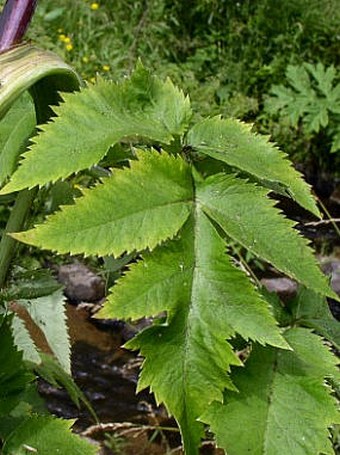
23, 66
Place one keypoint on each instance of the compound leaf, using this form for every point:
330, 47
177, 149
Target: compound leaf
283, 403
48, 313
89, 122
133, 209
231, 141
46, 436
249, 217
207, 300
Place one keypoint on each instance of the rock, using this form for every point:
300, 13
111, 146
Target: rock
81, 284
284, 287
331, 267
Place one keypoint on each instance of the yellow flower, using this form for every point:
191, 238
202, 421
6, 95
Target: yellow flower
62, 37
69, 47
67, 40
94, 6
85, 59
93, 80
106, 67
60, 30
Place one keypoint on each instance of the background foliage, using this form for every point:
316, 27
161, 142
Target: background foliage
227, 54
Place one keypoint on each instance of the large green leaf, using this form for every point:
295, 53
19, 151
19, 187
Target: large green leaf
311, 310
14, 377
283, 405
15, 129
233, 142
207, 300
133, 209
46, 436
249, 217
48, 313
91, 121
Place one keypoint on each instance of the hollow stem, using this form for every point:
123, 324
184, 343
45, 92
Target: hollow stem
14, 21
15, 222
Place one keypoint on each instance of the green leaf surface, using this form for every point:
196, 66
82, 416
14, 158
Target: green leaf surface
311, 310
249, 217
207, 300
89, 122
46, 436
23, 340
283, 405
31, 284
336, 142
233, 142
48, 313
133, 209
14, 377
15, 129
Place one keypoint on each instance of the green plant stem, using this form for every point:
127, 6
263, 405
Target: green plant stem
42, 97
15, 222
333, 223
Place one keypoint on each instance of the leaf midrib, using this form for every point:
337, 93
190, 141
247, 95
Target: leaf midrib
93, 226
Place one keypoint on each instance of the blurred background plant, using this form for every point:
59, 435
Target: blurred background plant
228, 54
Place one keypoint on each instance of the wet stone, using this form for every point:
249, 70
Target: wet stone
81, 284
284, 287
331, 267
